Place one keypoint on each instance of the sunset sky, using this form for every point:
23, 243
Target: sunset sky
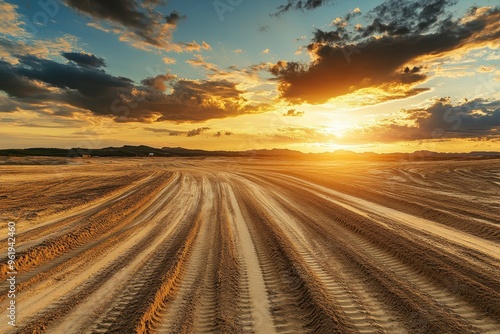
310, 75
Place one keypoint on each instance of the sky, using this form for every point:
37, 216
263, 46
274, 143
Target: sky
308, 75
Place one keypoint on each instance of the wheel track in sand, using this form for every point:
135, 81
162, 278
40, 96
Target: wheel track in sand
308, 290
65, 304
155, 278
91, 226
341, 295
442, 296
74, 260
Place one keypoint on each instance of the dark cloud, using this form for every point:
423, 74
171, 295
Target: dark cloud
90, 82
341, 33
126, 12
7, 105
321, 36
190, 133
409, 76
84, 59
293, 113
35, 81
189, 101
173, 133
441, 120
17, 85
340, 68
138, 23
396, 17
158, 82
220, 133
196, 132
469, 119
174, 17
299, 5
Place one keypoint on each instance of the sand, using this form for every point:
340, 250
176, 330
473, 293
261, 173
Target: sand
171, 245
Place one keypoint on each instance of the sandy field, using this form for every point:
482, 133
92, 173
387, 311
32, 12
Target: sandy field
220, 245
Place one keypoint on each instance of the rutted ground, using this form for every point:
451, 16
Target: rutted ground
254, 246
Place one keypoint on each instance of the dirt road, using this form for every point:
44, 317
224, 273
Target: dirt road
253, 246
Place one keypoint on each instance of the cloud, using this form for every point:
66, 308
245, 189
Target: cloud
138, 24
299, 5
341, 66
16, 39
17, 85
293, 113
441, 120
167, 131
485, 69
191, 46
7, 105
238, 51
174, 18
200, 61
342, 23
84, 59
469, 119
158, 82
12, 22
88, 81
321, 36
247, 78
220, 133
169, 60
36, 82
196, 132
266, 51
190, 133
206, 46
11, 49
396, 17
125, 12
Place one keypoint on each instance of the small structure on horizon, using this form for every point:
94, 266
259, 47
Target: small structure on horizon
151, 155
86, 156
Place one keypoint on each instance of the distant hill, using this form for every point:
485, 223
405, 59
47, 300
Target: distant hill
145, 151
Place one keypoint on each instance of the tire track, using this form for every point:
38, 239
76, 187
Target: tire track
91, 226
455, 305
340, 295
310, 292
156, 277
261, 321
80, 291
